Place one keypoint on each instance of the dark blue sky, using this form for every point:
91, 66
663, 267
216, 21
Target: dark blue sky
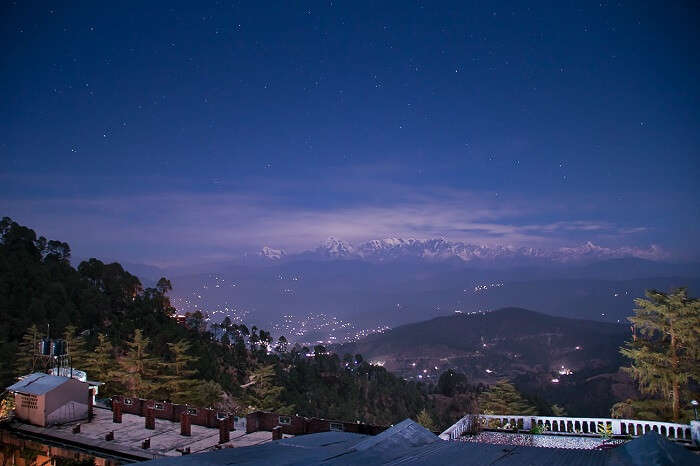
173, 133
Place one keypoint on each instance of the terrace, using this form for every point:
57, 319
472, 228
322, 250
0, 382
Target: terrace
574, 426
132, 440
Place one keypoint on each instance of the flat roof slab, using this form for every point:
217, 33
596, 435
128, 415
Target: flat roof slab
128, 435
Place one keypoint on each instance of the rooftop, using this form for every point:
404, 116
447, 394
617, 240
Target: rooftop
408, 443
38, 383
128, 436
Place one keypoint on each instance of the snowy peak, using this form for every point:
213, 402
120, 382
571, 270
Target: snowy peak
272, 254
429, 249
334, 248
440, 249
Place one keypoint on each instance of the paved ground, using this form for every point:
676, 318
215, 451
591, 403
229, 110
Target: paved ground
165, 439
552, 441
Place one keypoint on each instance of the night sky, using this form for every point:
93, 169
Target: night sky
170, 133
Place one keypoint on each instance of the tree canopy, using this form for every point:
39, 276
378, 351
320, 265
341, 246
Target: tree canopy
503, 398
665, 348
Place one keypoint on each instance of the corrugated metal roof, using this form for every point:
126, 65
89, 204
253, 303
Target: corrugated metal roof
395, 447
404, 434
37, 383
302, 450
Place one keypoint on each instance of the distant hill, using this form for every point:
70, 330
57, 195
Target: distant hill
530, 348
540, 338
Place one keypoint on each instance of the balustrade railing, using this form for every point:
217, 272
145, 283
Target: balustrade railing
571, 425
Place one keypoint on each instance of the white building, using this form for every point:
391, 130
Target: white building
44, 399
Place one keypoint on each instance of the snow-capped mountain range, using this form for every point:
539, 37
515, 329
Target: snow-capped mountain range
439, 249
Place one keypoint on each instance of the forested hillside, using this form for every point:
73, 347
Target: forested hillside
125, 335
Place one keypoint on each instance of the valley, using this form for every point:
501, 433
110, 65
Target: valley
570, 362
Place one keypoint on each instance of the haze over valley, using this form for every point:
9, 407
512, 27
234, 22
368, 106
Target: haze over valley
337, 292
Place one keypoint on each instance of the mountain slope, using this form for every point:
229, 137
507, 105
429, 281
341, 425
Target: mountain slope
509, 329
530, 348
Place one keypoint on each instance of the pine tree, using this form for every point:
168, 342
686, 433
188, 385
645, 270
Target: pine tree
25, 351
7, 357
139, 367
503, 398
208, 394
179, 384
426, 420
100, 362
263, 395
76, 347
666, 345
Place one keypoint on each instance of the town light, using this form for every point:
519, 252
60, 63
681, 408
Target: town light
695, 408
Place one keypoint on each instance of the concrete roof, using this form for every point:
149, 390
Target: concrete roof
409, 444
38, 383
128, 436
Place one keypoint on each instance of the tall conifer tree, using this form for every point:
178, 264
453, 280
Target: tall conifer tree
503, 398
666, 346
100, 362
75, 346
426, 420
179, 383
139, 367
25, 351
263, 394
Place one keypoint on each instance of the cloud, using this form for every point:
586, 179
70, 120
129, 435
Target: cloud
178, 227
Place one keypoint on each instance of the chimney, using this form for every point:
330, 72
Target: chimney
150, 417
110, 436
251, 422
91, 402
185, 424
224, 433
277, 433
146, 444
117, 412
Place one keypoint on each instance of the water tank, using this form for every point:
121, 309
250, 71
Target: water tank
44, 347
58, 347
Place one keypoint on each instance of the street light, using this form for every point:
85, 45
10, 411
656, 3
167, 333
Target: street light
695, 408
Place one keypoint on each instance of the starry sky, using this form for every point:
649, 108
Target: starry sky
184, 132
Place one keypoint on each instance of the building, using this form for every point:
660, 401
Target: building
44, 399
